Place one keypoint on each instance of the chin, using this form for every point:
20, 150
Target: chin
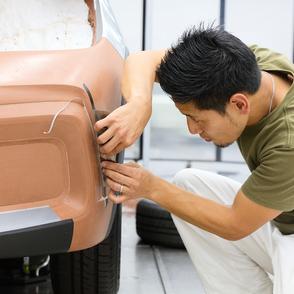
223, 145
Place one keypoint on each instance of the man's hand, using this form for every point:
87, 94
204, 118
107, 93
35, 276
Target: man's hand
124, 125
131, 179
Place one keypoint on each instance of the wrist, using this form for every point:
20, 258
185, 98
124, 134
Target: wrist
155, 189
139, 99
142, 107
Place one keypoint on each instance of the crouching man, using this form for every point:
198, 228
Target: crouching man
239, 236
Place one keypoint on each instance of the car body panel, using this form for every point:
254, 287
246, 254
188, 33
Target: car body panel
48, 151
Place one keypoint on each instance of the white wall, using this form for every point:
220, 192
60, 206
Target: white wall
128, 14
166, 19
169, 18
268, 23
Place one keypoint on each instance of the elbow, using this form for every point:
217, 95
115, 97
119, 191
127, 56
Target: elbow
235, 228
235, 237
236, 233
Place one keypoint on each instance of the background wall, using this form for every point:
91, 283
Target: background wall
268, 23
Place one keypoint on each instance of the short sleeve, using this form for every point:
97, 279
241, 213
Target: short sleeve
270, 60
271, 183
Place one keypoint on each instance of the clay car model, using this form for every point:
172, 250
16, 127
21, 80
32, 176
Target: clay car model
53, 205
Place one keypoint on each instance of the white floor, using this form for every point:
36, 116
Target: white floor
152, 269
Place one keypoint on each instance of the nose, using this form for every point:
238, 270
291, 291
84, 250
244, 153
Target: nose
193, 127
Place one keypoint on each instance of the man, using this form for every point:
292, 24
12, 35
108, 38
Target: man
239, 237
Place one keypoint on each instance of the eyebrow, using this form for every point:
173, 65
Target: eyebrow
189, 115
184, 113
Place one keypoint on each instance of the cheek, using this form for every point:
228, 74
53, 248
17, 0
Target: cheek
212, 127
218, 128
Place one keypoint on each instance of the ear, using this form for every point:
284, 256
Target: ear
240, 102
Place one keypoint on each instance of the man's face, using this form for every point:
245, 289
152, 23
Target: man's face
211, 126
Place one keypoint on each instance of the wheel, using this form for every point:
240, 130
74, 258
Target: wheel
154, 225
91, 271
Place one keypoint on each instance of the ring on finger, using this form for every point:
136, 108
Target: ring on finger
118, 193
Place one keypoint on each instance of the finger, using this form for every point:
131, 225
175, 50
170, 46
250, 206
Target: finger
102, 123
109, 147
117, 199
116, 187
104, 156
105, 136
133, 164
118, 178
113, 185
120, 147
120, 168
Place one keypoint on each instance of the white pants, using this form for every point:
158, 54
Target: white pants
262, 263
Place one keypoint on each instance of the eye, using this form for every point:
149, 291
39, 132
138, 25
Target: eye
195, 119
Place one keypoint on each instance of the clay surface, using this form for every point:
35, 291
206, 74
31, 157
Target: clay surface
44, 25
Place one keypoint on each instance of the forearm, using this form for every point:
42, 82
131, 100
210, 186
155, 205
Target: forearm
201, 212
140, 75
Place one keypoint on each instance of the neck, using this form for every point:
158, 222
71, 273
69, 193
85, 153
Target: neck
263, 100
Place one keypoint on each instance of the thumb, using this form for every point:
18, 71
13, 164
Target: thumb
133, 164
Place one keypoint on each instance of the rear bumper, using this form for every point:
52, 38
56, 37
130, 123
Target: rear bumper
35, 231
39, 230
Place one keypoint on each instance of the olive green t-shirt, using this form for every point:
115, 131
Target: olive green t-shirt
268, 148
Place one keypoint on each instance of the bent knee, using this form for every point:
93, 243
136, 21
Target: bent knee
207, 184
182, 176
189, 178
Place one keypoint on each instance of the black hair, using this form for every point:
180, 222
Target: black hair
207, 66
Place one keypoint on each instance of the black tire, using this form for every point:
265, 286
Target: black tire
155, 226
91, 271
